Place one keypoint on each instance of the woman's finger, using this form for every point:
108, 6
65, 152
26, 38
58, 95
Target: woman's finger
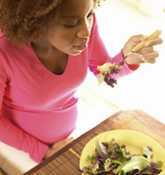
137, 38
134, 40
49, 153
131, 43
151, 57
135, 58
146, 50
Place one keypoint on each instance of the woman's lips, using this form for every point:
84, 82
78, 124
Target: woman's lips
80, 47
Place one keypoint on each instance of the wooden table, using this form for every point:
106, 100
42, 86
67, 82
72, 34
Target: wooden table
66, 161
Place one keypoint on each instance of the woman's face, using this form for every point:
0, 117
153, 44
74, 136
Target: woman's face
70, 31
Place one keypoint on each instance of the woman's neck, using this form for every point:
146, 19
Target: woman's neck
45, 50
53, 59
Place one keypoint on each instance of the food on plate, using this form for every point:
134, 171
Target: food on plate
122, 152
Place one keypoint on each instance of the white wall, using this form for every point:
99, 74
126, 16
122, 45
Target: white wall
145, 88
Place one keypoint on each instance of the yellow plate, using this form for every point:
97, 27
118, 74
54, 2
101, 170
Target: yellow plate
134, 140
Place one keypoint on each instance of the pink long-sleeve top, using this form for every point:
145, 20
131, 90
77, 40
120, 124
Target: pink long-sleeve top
38, 107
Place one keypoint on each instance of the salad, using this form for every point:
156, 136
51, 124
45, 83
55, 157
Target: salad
111, 158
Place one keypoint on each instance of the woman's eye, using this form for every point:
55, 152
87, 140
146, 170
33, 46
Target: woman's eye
71, 24
74, 23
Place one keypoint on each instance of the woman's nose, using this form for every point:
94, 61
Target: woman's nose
84, 31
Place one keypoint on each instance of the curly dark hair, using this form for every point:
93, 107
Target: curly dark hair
23, 20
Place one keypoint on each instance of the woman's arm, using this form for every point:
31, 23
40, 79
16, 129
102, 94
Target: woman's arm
13, 135
98, 54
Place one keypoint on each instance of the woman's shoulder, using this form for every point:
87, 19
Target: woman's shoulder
2, 46
10, 54
5, 43
5, 48
1, 34
2, 39
8, 49
2, 53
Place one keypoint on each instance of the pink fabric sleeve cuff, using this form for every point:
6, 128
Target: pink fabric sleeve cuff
118, 58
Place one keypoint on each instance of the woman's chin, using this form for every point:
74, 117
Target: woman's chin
75, 53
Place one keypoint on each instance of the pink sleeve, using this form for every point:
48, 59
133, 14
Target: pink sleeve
14, 136
98, 54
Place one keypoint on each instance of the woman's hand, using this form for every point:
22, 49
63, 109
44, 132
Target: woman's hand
146, 54
57, 146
